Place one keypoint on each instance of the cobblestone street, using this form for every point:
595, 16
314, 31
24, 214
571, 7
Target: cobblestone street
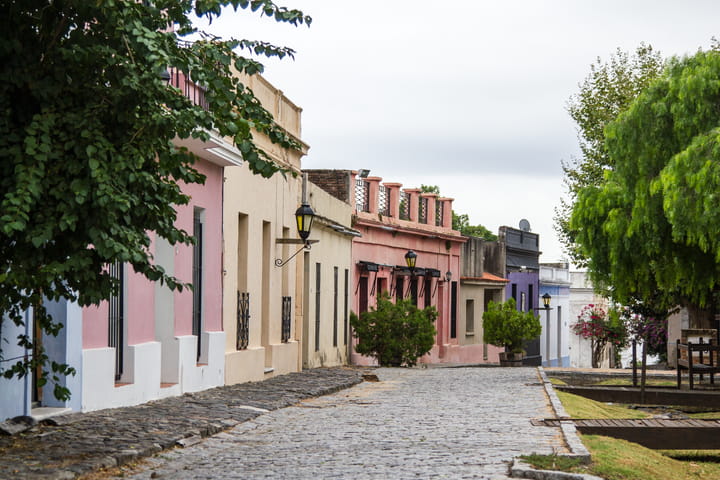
414, 423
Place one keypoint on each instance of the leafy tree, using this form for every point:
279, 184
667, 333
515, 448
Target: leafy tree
505, 326
651, 228
607, 91
395, 333
88, 165
461, 222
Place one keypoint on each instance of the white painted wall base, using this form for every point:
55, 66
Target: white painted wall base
142, 371
195, 377
141, 381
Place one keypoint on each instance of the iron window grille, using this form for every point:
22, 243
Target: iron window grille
243, 320
116, 317
286, 318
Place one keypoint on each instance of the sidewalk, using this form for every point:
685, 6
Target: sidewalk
81, 443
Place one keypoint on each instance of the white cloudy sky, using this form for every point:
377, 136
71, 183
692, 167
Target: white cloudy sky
466, 95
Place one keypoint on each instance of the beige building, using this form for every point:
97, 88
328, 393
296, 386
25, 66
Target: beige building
481, 281
262, 302
328, 281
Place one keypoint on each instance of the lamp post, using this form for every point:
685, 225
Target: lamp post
546, 304
411, 260
304, 217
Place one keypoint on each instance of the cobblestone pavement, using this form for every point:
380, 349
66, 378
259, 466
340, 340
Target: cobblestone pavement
414, 423
82, 443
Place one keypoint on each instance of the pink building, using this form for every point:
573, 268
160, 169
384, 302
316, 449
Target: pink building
393, 220
150, 342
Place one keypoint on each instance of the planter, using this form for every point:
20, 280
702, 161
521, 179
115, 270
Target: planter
511, 359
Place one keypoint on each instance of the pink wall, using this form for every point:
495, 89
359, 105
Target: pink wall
140, 302
385, 247
209, 198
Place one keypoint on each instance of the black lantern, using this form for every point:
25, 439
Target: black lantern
304, 216
546, 300
410, 260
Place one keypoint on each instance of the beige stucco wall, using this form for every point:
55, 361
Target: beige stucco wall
334, 250
256, 212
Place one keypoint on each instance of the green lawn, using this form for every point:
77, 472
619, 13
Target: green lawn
615, 459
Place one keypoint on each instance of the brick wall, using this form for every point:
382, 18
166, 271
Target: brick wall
334, 182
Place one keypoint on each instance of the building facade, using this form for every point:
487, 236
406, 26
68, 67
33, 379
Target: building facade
522, 255
555, 337
391, 221
481, 281
262, 302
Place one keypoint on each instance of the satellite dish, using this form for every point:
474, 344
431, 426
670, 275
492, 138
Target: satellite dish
524, 225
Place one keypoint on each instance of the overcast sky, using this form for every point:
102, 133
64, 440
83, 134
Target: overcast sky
466, 95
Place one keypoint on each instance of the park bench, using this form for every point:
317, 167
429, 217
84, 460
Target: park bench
699, 358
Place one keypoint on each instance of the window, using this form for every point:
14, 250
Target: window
469, 316
197, 277
399, 288
335, 307
116, 317
317, 307
453, 309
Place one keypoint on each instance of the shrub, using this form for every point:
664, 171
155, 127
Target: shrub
395, 333
505, 326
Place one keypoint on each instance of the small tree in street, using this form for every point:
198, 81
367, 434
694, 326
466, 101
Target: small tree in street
395, 333
507, 327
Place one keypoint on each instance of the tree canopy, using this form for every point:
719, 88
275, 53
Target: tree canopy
608, 90
461, 222
87, 161
650, 229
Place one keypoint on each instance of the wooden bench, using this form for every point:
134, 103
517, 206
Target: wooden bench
704, 363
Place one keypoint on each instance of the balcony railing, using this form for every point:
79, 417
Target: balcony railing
404, 206
286, 318
243, 320
384, 201
423, 210
190, 89
362, 195
439, 211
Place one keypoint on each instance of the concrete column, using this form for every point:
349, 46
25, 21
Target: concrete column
374, 183
393, 192
447, 211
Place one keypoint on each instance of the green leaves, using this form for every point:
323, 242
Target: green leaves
395, 333
86, 139
505, 326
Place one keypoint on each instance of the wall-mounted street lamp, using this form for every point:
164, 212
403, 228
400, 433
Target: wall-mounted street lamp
546, 301
304, 217
411, 260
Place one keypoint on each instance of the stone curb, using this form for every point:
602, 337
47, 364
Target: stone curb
59, 449
521, 469
577, 449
